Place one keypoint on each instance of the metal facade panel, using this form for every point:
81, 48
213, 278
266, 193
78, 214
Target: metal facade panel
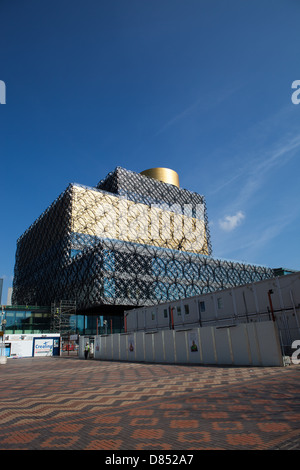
75, 251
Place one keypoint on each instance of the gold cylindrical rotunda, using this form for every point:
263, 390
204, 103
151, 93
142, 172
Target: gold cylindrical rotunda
166, 175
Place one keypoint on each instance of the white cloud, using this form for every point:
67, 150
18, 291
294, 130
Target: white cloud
204, 102
230, 222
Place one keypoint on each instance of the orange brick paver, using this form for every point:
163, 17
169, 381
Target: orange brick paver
64, 403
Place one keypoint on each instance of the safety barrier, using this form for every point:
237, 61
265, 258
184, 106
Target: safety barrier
244, 344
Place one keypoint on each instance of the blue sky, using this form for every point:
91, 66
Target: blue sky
199, 86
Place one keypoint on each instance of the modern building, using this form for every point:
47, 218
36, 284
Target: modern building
9, 296
132, 240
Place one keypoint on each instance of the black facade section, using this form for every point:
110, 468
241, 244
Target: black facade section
42, 252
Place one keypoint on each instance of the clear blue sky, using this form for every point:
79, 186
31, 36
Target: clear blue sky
199, 86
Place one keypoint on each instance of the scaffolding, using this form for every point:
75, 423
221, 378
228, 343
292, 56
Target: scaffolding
63, 318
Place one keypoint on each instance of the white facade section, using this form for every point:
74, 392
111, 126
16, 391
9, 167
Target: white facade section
277, 298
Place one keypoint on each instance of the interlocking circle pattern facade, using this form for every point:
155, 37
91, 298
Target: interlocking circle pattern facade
131, 241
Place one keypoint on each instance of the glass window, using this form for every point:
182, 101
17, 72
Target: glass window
75, 253
109, 287
220, 302
202, 306
10, 319
186, 309
108, 260
153, 315
165, 313
19, 319
179, 311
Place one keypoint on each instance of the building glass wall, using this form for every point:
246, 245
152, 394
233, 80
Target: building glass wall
29, 320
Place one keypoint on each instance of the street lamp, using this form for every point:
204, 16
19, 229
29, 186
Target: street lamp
3, 323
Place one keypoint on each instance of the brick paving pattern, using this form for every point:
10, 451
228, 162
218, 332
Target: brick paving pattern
64, 403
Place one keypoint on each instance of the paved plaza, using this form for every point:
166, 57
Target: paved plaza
66, 403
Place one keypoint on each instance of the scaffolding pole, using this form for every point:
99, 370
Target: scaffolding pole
63, 317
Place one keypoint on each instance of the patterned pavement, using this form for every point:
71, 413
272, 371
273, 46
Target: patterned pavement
64, 403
